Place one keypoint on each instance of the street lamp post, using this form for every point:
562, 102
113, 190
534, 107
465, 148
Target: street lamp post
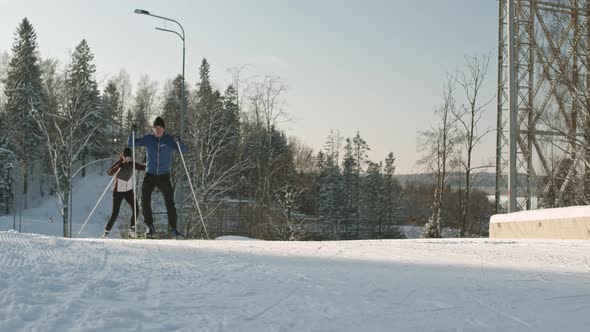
182, 102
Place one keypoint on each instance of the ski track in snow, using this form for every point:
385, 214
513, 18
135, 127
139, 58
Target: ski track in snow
56, 284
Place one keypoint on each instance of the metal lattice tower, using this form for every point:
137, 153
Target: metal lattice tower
542, 75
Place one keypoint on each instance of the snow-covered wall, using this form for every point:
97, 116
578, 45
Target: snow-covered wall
559, 223
544, 214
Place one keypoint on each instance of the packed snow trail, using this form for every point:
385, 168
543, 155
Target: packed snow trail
56, 284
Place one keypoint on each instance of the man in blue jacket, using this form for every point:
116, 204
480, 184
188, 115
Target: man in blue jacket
160, 149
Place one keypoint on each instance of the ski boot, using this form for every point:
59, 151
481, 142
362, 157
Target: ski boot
151, 232
175, 234
132, 234
105, 234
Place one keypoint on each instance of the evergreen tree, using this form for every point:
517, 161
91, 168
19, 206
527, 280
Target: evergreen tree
204, 90
24, 96
231, 118
203, 103
173, 103
209, 106
392, 192
8, 169
350, 184
360, 148
110, 103
220, 131
330, 193
231, 123
373, 201
83, 101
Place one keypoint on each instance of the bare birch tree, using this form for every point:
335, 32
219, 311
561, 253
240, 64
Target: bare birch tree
468, 119
438, 146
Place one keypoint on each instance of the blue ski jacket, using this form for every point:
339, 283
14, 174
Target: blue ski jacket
159, 151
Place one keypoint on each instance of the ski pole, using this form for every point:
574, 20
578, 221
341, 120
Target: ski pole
134, 183
192, 190
98, 202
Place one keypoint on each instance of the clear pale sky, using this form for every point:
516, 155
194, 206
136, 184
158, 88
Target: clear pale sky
373, 66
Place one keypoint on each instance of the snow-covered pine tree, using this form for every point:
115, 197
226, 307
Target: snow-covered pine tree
110, 105
173, 103
24, 96
393, 199
330, 193
83, 99
372, 199
350, 187
231, 121
332, 190
8, 169
360, 148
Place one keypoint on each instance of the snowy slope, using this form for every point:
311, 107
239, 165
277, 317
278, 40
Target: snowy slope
87, 191
56, 284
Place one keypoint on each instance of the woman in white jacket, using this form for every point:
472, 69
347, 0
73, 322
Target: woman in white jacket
123, 189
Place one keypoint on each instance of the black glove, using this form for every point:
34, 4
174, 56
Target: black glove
134, 127
177, 138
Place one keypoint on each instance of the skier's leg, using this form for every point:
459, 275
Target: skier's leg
146, 199
129, 198
117, 199
168, 193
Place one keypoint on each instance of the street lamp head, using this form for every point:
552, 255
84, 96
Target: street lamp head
141, 11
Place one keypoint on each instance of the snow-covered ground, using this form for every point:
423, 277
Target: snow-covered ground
56, 284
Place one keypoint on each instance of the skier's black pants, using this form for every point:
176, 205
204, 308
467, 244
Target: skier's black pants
162, 182
118, 198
